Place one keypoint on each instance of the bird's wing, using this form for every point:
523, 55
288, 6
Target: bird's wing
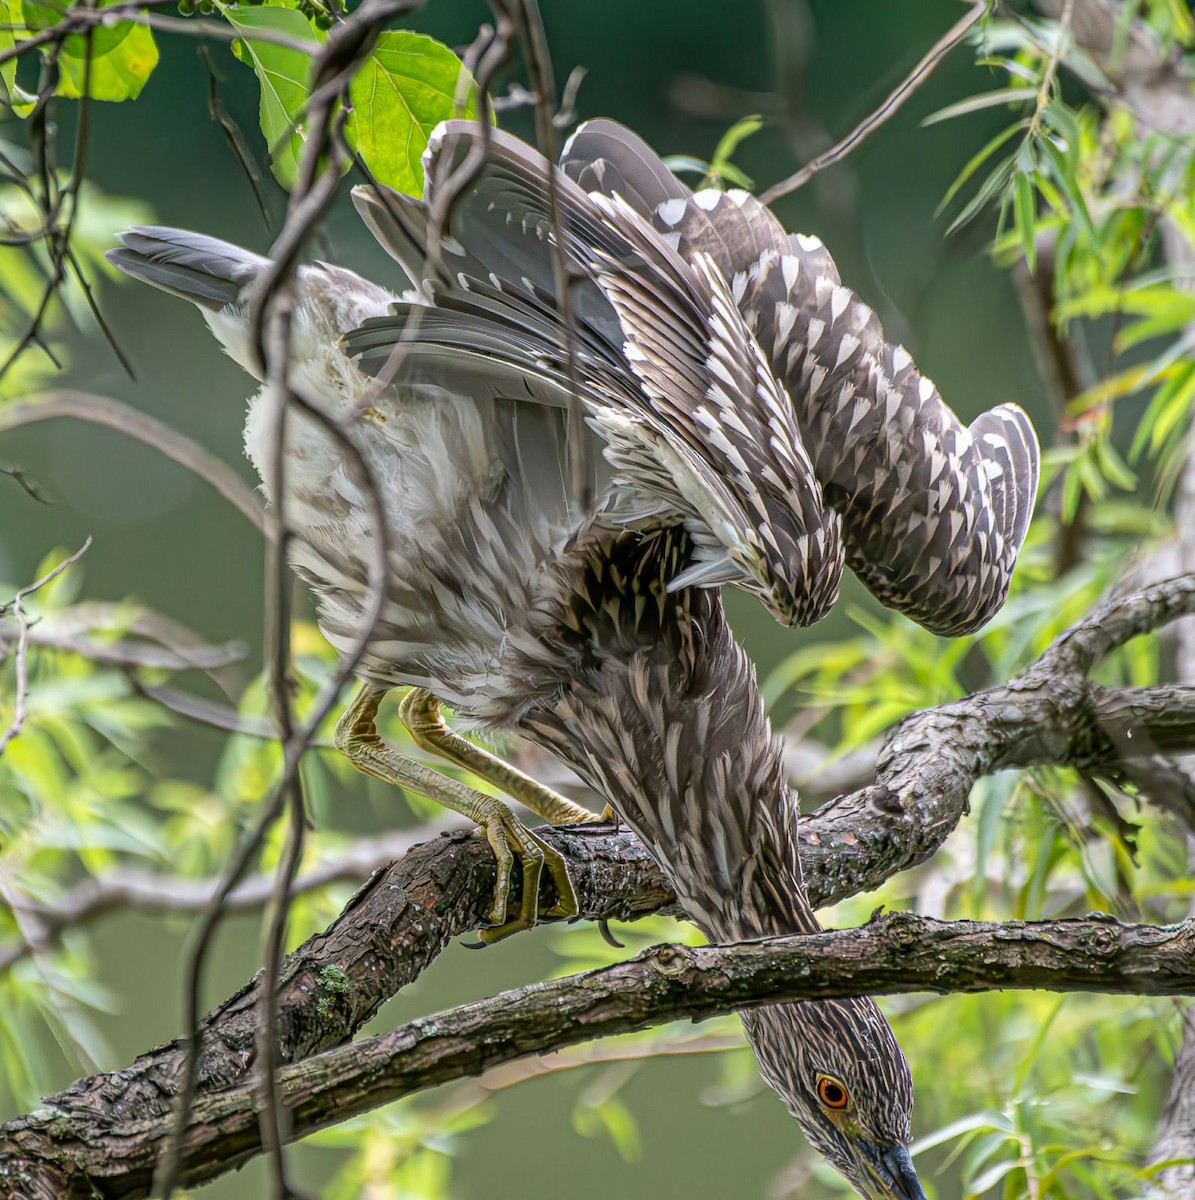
476, 348
934, 514
676, 416
709, 380
732, 227
464, 353
606, 157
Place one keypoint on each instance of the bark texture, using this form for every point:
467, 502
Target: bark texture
81, 1144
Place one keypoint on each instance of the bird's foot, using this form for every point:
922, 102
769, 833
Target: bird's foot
508, 838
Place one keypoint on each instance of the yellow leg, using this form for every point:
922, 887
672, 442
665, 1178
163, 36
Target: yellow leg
420, 713
358, 739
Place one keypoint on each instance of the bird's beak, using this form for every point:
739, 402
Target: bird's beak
895, 1173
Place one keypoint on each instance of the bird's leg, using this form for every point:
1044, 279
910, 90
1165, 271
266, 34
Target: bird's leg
358, 739
420, 713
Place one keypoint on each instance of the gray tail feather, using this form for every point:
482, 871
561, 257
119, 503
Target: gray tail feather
202, 269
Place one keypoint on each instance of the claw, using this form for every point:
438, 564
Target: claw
566, 904
507, 838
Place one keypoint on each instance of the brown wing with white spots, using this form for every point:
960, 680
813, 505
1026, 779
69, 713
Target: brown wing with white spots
709, 381
933, 513
672, 331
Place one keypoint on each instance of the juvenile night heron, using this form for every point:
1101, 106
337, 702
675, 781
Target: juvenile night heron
747, 421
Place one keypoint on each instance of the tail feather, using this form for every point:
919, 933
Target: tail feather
204, 270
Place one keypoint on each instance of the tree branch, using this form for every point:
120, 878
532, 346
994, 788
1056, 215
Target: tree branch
73, 1147
103, 410
158, 892
889, 108
1052, 714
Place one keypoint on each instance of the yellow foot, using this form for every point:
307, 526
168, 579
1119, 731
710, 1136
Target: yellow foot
358, 738
508, 838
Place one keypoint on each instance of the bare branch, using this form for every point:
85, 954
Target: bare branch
1050, 714
157, 893
102, 410
164, 644
22, 642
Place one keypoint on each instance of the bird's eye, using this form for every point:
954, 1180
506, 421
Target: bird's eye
832, 1093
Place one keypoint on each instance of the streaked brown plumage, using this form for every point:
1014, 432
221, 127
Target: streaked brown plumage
666, 365
748, 415
662, 716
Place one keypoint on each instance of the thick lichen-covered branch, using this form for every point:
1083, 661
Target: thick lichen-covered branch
76, 1145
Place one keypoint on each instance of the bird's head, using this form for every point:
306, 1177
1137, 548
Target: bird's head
838, 1067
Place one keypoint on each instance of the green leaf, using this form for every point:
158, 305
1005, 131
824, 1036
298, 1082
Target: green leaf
404, 89
1025, 210
1066, 181
1114, 468
990, 1177
283, 73
11, 93
729, 173
122, 55
991, 1119
721, 169
1170, 308
1182, 20
116, 74
977, 161
980, 102
991, 187
734, 137
1170, 407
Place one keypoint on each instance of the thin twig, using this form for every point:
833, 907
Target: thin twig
114, 414
20, 666
1046, 86
236, 139
891, 105
155, 893
27, 485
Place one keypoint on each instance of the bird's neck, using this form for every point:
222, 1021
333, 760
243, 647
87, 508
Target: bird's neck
667, 722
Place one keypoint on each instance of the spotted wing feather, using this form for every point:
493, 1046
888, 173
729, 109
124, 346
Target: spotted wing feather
934, 514
604, 156
732, 227
708, 378
637, 298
